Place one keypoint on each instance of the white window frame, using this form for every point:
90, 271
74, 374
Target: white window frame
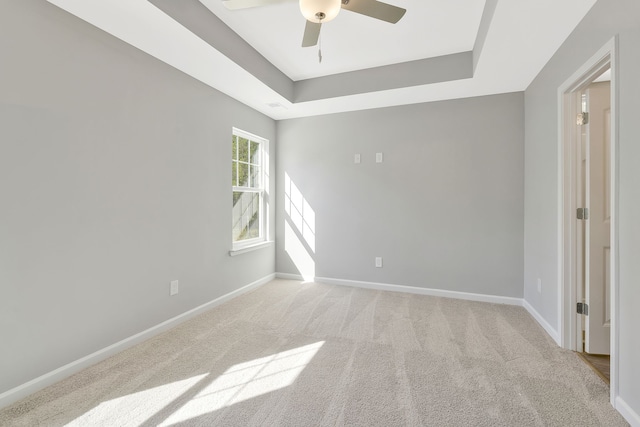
241, 246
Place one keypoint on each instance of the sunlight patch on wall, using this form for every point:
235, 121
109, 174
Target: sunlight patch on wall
247, 380
298, 254
300, 212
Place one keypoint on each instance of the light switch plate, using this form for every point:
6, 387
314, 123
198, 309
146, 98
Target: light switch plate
378, 157
356, 158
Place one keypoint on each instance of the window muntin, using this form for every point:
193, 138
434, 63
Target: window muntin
247, 180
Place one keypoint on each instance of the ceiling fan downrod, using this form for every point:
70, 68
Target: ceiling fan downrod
320, 16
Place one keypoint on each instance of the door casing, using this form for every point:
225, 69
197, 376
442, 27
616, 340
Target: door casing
569, 327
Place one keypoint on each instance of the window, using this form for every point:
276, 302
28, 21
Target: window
248, 179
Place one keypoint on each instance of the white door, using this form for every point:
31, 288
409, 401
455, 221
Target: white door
598, 224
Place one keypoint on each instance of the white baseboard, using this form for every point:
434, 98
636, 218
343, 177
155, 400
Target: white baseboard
438, 293
288, 276
553, 333
21, 391
629, 414
409, 289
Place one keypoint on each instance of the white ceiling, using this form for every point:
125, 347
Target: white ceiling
522, 35
352, 41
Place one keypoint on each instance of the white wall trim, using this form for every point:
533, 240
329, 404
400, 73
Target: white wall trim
409, 289
567, 321
566, 204
553, 333
265, 244
30, 387
629, 414
288, 276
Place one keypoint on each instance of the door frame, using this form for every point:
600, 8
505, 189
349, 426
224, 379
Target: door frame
568, 326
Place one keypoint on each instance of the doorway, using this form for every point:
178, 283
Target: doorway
587, 217
593, 150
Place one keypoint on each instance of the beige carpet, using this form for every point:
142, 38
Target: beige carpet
310, 354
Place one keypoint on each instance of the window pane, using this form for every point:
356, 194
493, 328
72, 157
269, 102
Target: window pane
243, 174
234, 173
236, 196
243, 150
246, 215
255, 153
234, 148
255, 177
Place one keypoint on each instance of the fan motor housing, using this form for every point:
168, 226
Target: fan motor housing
320, 10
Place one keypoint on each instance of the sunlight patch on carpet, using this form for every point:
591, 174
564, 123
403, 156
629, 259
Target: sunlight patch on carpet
247, 380
135, 408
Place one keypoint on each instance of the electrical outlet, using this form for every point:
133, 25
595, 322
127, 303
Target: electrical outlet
174, 288
378, 262
539, 285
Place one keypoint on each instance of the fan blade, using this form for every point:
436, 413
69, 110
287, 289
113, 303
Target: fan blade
311, 34
245, 4
375, 9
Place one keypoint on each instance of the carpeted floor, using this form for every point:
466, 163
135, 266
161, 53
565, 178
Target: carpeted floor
311, 354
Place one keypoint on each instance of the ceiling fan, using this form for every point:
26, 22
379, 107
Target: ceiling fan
318, 12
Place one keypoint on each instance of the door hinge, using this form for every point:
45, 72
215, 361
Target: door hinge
582, 213
583, 308
582, 119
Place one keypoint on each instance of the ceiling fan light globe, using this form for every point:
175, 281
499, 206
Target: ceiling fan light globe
310, 9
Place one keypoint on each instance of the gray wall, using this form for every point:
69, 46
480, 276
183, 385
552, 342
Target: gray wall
444, 209
114, 180
607, 19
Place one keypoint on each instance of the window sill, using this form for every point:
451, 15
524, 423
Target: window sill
235, 252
